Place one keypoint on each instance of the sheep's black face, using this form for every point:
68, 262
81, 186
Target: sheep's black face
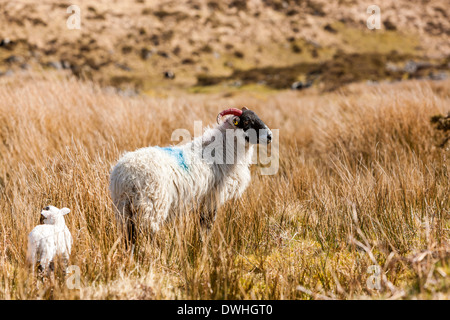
52, 215
255, 130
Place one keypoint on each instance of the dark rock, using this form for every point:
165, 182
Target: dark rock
5, 42
128, 93
187, 61
127, 49
330, 29
314, 44
155, 40
146, 54
413, 66
296, 48
228, 64
213, 6
389, 25
239, 4
25, 66
8, 72
163, 54
55, 65
299, 85
65, 64
38, 21
206, 49
391, 67
176, 51
123, 67
239, 54
169, 74
14, 59
438, 76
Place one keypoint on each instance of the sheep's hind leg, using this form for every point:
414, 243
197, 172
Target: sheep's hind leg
155, 212
130, 233
126, 222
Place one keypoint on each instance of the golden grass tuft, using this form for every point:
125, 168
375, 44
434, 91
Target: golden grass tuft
361, 182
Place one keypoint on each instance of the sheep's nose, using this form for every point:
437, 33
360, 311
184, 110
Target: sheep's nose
46, 208
269, 135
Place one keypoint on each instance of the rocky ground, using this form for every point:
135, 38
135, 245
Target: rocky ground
147, 46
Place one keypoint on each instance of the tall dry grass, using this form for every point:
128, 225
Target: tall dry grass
361, 182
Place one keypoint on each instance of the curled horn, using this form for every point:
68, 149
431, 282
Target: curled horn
232, 111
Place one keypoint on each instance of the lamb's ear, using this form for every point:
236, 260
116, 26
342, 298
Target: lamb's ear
64, 211
244, 108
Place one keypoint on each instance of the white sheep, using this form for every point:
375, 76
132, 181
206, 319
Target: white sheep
153, 184
52, 238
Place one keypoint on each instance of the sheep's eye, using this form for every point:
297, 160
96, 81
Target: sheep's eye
236, 122
245, 123
47, 208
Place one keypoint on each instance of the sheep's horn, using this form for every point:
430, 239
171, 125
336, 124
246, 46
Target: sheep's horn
232, 111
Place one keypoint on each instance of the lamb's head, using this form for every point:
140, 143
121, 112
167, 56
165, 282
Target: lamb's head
53, 215
254, 130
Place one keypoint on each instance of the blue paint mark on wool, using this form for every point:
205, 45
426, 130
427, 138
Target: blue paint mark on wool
178, 155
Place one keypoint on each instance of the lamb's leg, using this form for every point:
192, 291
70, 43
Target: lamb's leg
45, 267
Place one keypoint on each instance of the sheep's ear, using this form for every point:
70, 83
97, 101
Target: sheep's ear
244, 108
64, 211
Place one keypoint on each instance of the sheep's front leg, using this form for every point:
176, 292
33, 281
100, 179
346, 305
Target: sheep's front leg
207, 218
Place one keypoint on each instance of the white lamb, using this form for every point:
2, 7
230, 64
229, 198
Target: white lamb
152, 184
50, 239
